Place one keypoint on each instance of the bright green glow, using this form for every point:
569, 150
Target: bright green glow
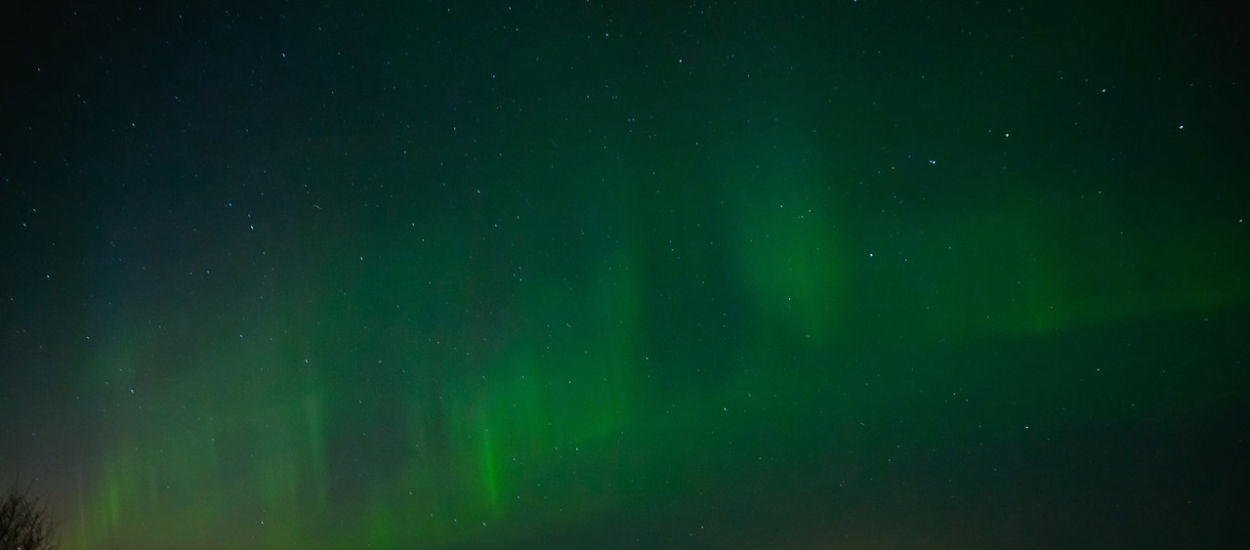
789, 249
617, 373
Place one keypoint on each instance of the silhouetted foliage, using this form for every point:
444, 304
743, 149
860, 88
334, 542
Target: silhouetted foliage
24, 522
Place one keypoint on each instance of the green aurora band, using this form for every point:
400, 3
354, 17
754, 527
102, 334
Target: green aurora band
740, 278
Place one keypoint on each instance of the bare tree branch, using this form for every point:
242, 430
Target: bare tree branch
24, 522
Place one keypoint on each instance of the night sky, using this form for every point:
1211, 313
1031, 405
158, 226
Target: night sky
572, 275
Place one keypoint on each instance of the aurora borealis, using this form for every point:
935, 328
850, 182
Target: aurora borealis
792, 275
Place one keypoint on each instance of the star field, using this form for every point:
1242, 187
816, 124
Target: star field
462, 275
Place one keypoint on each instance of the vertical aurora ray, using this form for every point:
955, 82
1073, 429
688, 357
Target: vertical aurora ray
490, 469
80, 515
315, 434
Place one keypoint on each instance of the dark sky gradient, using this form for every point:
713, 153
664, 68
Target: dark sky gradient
575, 275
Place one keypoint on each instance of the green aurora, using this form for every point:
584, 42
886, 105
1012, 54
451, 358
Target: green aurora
737, 275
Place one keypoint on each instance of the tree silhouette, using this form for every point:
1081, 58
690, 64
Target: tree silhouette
24, 522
